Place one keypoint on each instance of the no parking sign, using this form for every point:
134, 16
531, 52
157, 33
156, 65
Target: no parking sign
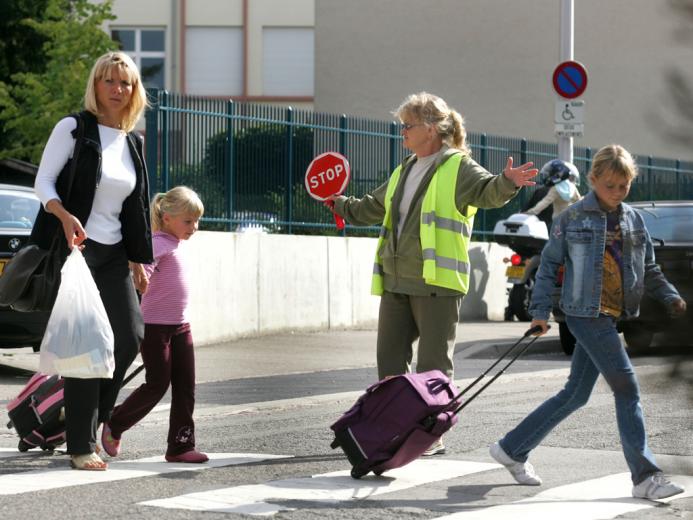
570, 79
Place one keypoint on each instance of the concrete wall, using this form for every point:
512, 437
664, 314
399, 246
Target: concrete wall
493, 60
246, 284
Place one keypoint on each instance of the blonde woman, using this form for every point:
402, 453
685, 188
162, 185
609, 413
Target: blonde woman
107, 214
426, 209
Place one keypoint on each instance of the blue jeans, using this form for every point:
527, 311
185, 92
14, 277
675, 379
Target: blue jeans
598, 349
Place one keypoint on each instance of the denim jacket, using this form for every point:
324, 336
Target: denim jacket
578, 238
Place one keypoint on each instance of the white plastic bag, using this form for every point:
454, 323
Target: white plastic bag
79, 340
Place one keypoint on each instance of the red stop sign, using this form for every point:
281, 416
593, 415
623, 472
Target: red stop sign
328, 174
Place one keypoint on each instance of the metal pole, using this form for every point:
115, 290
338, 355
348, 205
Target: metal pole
565, 144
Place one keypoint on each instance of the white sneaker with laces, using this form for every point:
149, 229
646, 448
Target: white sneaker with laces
437, 448
656, 487
522, 472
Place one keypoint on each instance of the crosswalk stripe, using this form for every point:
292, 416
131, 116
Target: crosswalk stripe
54, 478
597, 499
14, 452
336, 486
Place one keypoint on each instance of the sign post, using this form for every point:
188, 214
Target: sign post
327, 175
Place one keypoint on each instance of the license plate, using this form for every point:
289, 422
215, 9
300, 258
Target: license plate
2, 265
515, 271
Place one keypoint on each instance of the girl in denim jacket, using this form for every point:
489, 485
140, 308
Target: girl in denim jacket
609, 264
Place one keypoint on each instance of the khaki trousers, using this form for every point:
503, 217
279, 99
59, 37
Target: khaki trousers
404, 318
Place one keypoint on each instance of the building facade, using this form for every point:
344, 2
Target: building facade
247, 50
493, 60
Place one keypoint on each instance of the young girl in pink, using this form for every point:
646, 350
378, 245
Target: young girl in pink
167, 348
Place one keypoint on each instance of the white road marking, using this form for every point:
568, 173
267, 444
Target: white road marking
337, 486
597, 499
15, 483
14, 452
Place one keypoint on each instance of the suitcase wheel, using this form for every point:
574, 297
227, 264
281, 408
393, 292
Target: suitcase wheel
357, 474
23, 446
379, 472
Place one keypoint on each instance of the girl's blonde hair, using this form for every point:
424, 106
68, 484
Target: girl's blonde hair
428, 108
104, 68
180, 200
613, 159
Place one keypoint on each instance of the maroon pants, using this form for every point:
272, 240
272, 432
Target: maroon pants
169, 359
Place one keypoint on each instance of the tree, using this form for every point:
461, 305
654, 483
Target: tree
31, 102
19, 43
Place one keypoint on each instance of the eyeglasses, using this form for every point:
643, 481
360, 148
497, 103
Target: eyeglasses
406, 126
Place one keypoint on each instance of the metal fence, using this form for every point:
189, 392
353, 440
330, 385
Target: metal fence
247, 161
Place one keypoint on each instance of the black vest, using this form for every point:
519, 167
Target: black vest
134, 216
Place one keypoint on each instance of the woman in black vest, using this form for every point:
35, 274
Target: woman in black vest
107, 214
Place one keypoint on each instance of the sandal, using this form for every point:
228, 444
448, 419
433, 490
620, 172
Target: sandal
88, 462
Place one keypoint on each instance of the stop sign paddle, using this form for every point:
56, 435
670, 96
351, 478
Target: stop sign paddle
328, 174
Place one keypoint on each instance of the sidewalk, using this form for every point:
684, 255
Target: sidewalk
305, 351
297, 352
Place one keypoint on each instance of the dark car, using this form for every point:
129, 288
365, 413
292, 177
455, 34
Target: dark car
669, 224
18, 209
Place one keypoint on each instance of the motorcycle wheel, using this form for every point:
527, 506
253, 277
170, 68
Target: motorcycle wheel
519, 299
567, 338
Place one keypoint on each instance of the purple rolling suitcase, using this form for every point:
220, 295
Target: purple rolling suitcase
400, 417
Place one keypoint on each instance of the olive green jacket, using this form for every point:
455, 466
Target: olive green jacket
402, 257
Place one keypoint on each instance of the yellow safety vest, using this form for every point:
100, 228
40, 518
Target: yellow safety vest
444, 231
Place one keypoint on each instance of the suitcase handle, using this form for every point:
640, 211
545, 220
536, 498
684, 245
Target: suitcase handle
521, 351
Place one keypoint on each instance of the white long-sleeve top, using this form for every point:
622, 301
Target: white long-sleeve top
118, 177
555, 199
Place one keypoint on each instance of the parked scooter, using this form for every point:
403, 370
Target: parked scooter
526, 235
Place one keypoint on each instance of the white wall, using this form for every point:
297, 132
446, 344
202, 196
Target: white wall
247, 284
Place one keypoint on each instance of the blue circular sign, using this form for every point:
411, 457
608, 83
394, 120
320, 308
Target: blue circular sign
570, 79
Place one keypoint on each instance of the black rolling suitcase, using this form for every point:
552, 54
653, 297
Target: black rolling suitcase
37, 414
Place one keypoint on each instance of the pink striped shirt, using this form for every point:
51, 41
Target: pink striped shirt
166, 300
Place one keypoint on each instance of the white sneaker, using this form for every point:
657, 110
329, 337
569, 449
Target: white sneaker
522, 472
437, 448
656, 487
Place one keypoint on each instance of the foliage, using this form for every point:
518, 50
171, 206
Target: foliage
32, 101
18, 42
259, 158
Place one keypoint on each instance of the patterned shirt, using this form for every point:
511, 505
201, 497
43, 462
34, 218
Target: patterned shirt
612, 280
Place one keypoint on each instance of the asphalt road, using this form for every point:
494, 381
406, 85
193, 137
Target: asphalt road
264, 406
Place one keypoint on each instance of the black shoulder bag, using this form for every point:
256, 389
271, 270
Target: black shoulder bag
31, 279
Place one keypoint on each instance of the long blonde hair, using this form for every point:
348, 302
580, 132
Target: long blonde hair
431, 109
176, 201
103, 68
